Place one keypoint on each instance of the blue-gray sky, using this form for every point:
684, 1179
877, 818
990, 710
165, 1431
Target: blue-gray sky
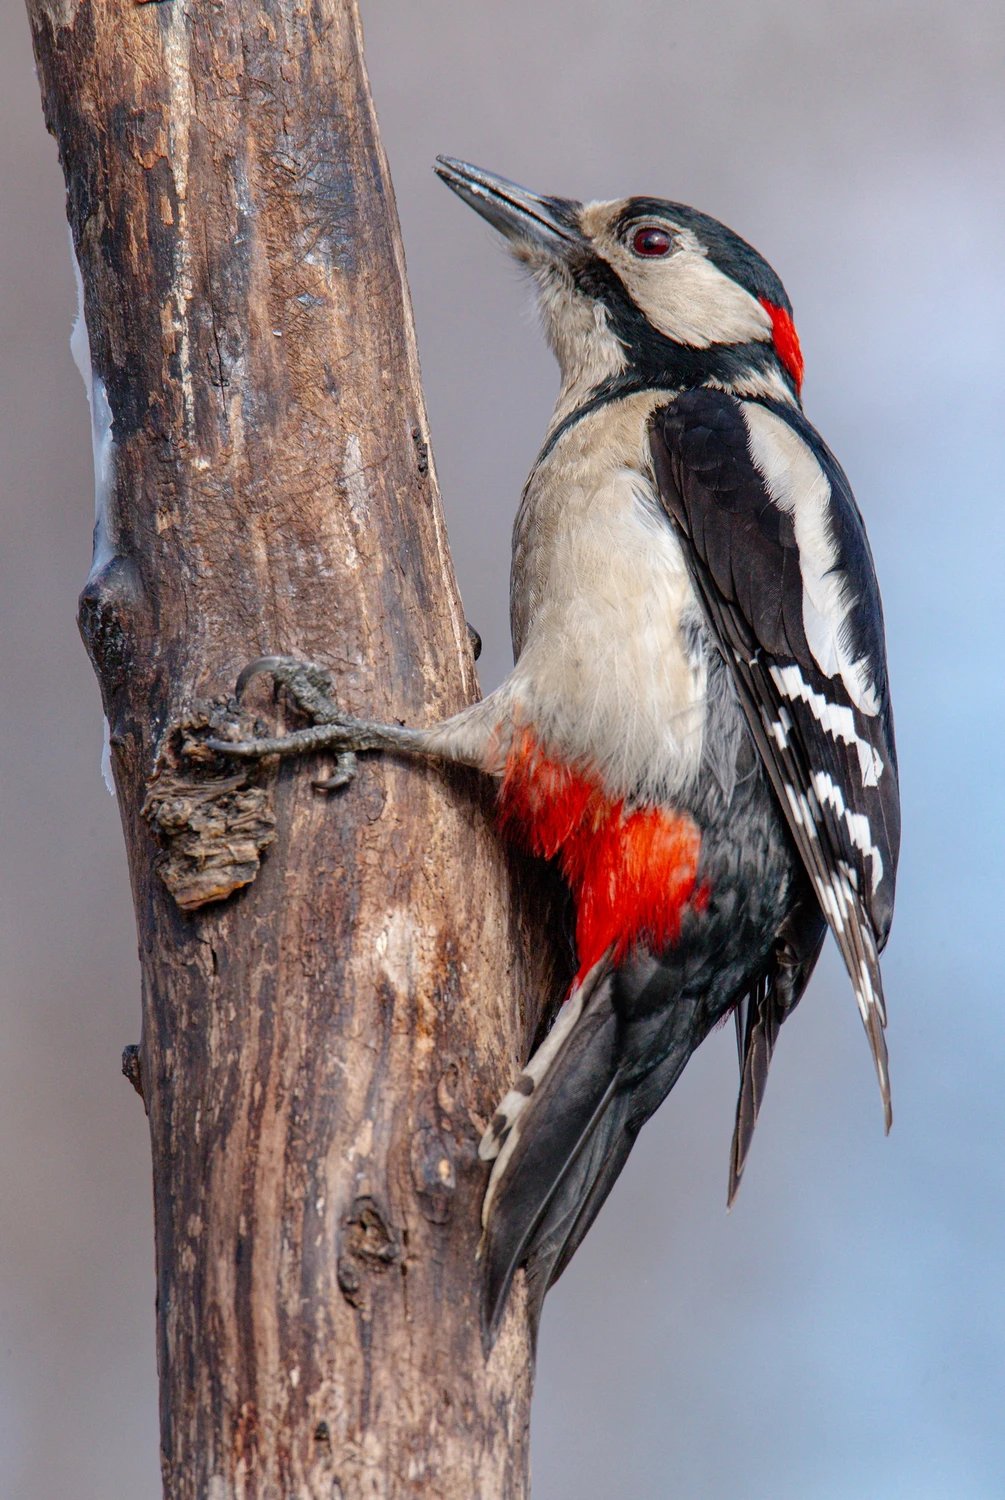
841, 1335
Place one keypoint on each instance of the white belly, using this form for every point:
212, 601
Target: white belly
610, 671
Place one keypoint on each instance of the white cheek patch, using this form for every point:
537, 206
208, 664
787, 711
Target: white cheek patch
798, 485
690, 300
835, 719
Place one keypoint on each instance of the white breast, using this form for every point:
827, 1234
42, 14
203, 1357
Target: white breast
603, 612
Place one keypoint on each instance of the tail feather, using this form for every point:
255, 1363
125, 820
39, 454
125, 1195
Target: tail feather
550, 1149
562, 1232
759, 1018
622, 1137
566, 1144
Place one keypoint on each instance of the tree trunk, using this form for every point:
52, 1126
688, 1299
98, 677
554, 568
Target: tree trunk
336, 989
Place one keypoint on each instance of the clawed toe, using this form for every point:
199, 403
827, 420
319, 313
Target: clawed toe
308, 683
346, 767
300, 742
310, 687
260, 664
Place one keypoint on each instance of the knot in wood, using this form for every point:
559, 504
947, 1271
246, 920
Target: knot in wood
105, 618
131, 1068
444, 1145
212, 820
369, 1248
421, 452
433, 1173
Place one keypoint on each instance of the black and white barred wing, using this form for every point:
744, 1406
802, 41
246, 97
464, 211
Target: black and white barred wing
779, 557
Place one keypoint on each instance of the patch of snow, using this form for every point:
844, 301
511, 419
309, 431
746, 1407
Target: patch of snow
106, 759
102, 442
103, 447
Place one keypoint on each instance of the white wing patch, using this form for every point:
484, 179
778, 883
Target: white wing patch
858, 825
835, 901
805, 812
835, 718
838, 899
780, 728
798, 485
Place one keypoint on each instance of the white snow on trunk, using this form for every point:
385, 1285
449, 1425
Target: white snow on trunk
106, 759
103, 447
102, 442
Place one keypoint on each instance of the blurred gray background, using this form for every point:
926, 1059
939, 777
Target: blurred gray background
841, 1335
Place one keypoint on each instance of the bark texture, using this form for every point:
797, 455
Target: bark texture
321, 1045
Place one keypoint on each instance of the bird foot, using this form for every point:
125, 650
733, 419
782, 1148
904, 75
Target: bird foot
307, 682
310, 687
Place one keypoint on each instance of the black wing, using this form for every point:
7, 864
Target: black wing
779, 557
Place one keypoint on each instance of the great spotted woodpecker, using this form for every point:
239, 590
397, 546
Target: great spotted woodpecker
698, 726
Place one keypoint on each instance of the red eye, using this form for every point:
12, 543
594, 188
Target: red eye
652, 242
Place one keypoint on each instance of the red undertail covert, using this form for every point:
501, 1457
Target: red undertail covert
631, 873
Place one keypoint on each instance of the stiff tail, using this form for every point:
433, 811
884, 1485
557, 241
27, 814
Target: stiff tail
759, 1017
563, 1133
545, 1137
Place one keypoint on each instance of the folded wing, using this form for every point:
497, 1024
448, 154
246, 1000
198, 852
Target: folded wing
780, 561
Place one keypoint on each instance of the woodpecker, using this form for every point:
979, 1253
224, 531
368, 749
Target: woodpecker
697, 728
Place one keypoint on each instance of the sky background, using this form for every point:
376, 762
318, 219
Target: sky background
840, 1335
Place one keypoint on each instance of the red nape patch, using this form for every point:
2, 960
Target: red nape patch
786, 341
631, 873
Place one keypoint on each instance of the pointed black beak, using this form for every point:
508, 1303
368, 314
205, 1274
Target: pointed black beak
549, 223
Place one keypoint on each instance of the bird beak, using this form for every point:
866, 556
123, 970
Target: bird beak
550, 224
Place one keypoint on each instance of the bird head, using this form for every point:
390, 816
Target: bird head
643, 292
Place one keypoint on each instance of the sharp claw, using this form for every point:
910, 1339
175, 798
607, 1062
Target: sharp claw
309, 684
260, 664
345, 770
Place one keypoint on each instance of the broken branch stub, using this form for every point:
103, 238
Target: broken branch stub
213, 821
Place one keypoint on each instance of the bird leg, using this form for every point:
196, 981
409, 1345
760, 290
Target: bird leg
310, 687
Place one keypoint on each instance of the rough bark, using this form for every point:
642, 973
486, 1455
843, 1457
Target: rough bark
321, 1045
